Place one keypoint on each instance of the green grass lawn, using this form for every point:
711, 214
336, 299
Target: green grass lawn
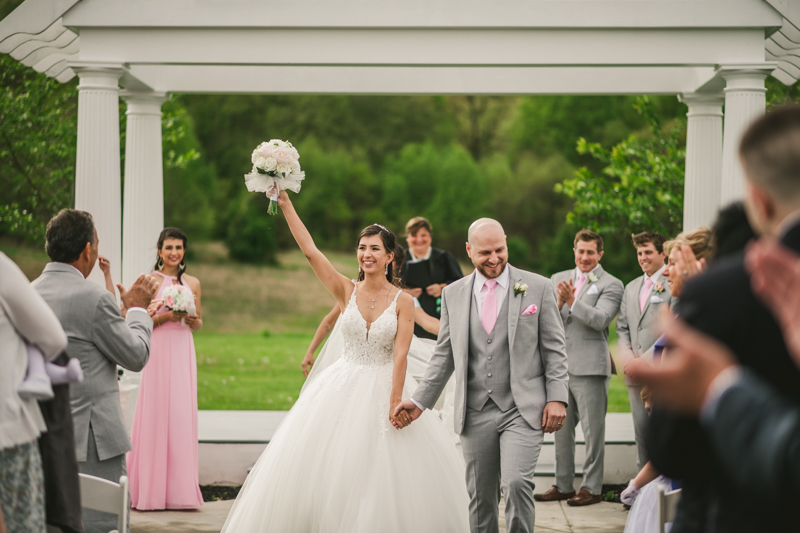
251, 371
237, 366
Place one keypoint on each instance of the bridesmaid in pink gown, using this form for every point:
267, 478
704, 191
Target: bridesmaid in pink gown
163, 466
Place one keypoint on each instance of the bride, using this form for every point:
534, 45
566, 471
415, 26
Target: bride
336, 464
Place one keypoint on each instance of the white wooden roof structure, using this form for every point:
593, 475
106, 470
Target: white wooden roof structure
709, 53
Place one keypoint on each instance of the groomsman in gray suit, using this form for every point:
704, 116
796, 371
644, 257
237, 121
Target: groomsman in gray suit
100, 339
588, 299
637, 325
501, 334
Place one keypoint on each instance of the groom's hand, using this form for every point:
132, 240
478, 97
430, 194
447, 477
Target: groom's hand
553, 417
405, 413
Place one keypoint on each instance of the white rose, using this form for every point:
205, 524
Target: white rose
254, 156
270, 164
284, 169
260, 162
295, 166
283, 156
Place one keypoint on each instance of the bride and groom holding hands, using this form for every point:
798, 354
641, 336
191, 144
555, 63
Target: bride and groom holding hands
336, 463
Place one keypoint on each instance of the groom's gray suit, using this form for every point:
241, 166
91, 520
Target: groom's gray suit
503, 381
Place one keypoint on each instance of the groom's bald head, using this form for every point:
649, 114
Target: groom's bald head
487, 247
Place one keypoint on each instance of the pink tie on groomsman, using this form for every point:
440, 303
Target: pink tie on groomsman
579, 284
648, 283
489, 310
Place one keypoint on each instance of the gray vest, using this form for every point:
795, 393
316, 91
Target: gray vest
489, 361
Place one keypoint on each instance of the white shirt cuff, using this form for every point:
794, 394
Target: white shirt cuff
724, 381
140, 309
421, 407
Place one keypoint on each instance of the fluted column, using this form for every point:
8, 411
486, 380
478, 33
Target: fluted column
701, 197
745, 100
143, 212
97, 169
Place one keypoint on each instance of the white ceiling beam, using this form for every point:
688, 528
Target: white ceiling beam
425, 13
421, 80
423, 47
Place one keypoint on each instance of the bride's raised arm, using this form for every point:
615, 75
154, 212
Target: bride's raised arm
338, 285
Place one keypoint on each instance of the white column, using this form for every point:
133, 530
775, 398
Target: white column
143, 212
97, 169
701, 197
745, 100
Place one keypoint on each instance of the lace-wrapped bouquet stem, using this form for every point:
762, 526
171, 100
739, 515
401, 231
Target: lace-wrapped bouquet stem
276, 164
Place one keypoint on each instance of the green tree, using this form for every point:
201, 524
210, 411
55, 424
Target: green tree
38, 135
641, 186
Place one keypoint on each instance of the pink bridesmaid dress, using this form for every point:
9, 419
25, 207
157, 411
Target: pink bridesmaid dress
163, 466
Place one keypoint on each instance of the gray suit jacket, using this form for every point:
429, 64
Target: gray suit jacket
586, 324
538, 353
101, 339
637, 331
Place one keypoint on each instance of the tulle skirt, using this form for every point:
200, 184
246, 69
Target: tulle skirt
336, 464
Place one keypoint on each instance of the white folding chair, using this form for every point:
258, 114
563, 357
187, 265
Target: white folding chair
100, 494
667, 506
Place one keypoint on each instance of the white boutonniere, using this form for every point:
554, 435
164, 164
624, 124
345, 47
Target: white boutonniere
592, 277
520, 288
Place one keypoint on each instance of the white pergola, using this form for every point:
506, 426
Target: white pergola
712, 54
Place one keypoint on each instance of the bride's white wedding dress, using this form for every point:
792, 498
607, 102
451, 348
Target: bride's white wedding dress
336, 464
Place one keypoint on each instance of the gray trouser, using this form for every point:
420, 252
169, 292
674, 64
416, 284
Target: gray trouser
588, 403
640, 419
501, 450
111, 469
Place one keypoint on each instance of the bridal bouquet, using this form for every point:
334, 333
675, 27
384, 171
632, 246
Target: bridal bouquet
180, 299
275, 164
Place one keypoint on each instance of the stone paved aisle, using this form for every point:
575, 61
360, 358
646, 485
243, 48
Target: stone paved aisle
550, 517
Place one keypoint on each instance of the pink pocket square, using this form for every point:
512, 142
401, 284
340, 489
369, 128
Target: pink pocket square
531, 309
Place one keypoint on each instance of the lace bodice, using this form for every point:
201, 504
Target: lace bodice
373, 346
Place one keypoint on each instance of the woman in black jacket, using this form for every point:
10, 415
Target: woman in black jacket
427, 270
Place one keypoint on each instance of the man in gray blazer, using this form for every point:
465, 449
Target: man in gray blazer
589, 299
100, 339
637, 325
501, 334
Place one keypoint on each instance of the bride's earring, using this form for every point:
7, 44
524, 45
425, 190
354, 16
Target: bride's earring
160, 263
386, 271
360, 270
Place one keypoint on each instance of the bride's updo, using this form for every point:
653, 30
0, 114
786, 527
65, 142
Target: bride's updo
389, 244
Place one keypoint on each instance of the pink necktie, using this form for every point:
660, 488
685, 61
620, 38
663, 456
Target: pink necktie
645, 293
489, 310
579, 284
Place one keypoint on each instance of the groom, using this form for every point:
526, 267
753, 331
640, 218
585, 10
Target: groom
501, 333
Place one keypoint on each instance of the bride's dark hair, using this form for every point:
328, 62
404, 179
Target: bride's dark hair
389, 244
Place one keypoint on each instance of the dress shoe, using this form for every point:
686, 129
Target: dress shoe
584, 497
553, 495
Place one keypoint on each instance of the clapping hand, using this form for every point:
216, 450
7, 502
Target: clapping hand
686, 266
565, 292
154, 306
434, 290
140, 294
404, 413
416, 293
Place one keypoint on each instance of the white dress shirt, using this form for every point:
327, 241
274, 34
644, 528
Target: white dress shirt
415, 259
654, 277
479, 289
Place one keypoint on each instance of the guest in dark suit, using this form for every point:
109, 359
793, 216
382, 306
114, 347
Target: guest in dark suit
722, 304
100, 339
427, 270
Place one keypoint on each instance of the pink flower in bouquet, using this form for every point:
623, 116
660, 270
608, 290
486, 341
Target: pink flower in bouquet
265, 151
169, 301
283, 155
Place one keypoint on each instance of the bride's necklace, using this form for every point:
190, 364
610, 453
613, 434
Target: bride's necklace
372, 306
